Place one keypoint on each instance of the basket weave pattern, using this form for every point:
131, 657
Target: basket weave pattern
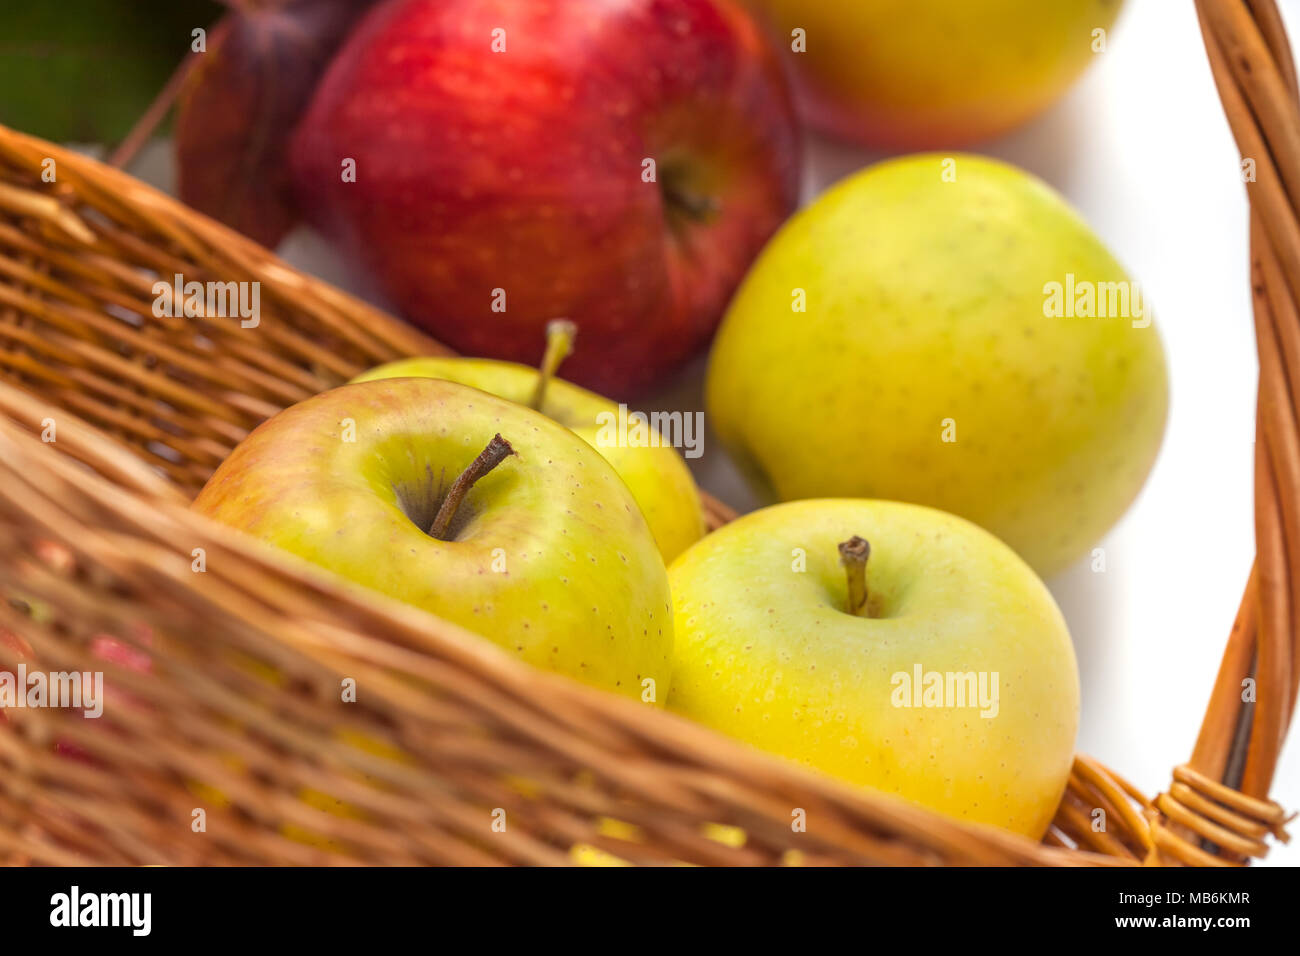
239, 714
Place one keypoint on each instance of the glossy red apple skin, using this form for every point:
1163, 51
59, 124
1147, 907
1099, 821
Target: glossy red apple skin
522, 171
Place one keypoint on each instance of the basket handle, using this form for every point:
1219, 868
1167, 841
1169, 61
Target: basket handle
1217, 810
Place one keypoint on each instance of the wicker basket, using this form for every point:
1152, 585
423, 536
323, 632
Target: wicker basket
110, 420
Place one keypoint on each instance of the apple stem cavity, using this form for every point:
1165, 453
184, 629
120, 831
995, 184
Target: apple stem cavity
497, 450
684, 204
853, 555
560, 335
695, 206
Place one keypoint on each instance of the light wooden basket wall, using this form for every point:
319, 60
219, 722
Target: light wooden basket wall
239, 712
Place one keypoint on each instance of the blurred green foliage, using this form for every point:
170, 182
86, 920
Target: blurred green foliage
84, 70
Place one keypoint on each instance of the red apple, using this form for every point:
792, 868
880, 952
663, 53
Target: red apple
107, 647
504, 145
103, 646
61, 560
16, 646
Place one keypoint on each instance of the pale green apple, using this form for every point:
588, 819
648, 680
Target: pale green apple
657, 475
768, 651
547, 554
931, 364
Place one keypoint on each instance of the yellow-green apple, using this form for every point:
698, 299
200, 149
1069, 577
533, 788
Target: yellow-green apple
478, 509
655, 474
968, 343
492, 164
886, 644
904, 74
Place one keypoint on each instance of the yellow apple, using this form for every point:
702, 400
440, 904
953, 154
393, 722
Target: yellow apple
936, 667
927, 73
946, 354
475, 508
656, 475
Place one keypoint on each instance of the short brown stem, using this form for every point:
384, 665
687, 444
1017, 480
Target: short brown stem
853, 555
497, 450
560, 334
156, 112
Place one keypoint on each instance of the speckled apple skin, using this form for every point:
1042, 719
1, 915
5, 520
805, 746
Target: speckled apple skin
522, 171
657, 477
768, 654
907, 75
925, 303
584, 591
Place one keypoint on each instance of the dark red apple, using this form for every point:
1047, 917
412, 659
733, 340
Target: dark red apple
504, 145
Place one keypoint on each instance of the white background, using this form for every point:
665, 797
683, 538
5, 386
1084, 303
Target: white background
1141, 148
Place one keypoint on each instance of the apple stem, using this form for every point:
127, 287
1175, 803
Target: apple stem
560, 334
497, 450
156, 112
853, 555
